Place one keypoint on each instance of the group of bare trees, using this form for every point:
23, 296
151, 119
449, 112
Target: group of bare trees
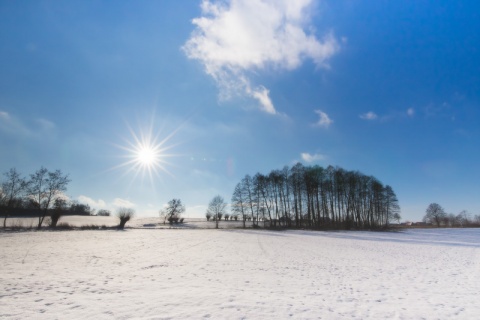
216, 209
172, 212
42, 191
436, 215
315, 197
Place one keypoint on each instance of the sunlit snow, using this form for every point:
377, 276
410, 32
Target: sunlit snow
240, 274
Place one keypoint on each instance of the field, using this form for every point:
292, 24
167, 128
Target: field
153, 273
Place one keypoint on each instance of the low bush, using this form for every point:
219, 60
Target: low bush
94, 227
16, 224
64, 226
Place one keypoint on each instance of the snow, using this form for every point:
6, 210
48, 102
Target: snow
136, 222
240, 274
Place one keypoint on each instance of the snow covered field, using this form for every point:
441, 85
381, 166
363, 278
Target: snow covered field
136, 222
237, 274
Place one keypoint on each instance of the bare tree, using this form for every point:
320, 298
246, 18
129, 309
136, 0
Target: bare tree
397, 217
251, 197
216, 208
391, 205
124, 214
239, 205
464, 218
450, 220
43, 188
173, 211
12, 188
316, 197
476, 219
59, 207
208, 215
435, 214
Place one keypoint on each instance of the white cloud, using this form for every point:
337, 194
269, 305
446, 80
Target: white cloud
11, 125
63, 196
307, 157
22, 127
369, 116
410, 112
261, 94
439, 110
99, 204
4, 116
45, 124
117, 202
234, 39
324, 120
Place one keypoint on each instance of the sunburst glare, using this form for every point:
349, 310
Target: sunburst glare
147, 156
146, 153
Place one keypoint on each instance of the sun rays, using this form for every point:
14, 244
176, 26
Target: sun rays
147, 156
146, 153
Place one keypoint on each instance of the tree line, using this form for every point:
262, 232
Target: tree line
437, 216
315, 197
42, 193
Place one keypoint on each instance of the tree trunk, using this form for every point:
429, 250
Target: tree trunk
5, 220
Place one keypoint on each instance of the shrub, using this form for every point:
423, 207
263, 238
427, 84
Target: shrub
103, 213
89, 227
16, 224
93, 227
64, 226
21, 225
173, 220
124, 214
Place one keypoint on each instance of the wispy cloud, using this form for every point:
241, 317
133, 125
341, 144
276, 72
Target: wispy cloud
99, 204
11, 125
120, 203
4, 116
394, 114
261, 94
45, 124
443, 110
324, 120
21, 127
235, 38
307, 157
410, 112
369, 116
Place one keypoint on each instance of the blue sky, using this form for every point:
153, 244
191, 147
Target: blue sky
228, 88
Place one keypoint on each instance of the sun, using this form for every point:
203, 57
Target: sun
147, 156
146, 153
